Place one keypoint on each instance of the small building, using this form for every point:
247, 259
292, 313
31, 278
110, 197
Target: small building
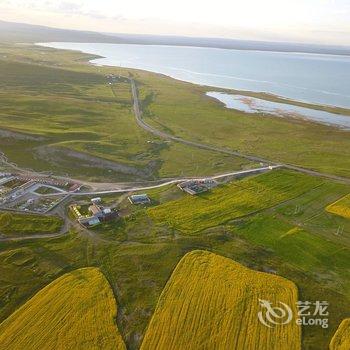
4, 180
194, 187
107, 211
109, 214
102, 213
89, 221
96, 200
139, 199
95, 210
30, 201
97, 214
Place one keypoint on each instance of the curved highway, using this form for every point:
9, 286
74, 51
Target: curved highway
149, 128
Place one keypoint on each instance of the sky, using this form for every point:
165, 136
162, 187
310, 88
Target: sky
311, 21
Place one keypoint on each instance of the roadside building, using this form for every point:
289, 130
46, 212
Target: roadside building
95, 210
139, 199
5, 180
102, 213
74, 188
96, 200
5, 174
96, 214
194, 187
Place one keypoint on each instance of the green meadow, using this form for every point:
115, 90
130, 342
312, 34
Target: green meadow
17, 225
67, 119
281, 227
94, 121
237, 199
200, 118
300, 248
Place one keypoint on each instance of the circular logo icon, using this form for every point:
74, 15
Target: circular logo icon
271, 316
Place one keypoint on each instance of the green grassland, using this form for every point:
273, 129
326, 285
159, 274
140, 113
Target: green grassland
289, 141
67, 119
193, 214
300, 248
293, 237
101, 123
17, 225
134, 221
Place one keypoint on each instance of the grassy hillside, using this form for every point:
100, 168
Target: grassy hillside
237, 199
58, 106
341, 339
102, 125
341, 207
285, 140
13, 224
211, 302
301, 248
76, 311
22, 32
91, 131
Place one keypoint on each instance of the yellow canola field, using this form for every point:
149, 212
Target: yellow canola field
340, 207
76, 311
341, 338
211, 302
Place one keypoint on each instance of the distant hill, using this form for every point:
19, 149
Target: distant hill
222, 43
21, 32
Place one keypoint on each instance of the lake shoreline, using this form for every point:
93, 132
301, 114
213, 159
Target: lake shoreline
261, 107
264, 95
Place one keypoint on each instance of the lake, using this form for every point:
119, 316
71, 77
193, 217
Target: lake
256, 105
314, 78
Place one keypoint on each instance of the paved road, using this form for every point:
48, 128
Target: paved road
166, 183
147, 127
151, 129
176, 181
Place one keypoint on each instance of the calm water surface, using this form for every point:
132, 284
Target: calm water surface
320, 79
255, 105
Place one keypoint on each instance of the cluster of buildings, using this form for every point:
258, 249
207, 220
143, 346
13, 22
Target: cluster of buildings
194, 187
97, 213
47, 180
26, 193
44, 180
